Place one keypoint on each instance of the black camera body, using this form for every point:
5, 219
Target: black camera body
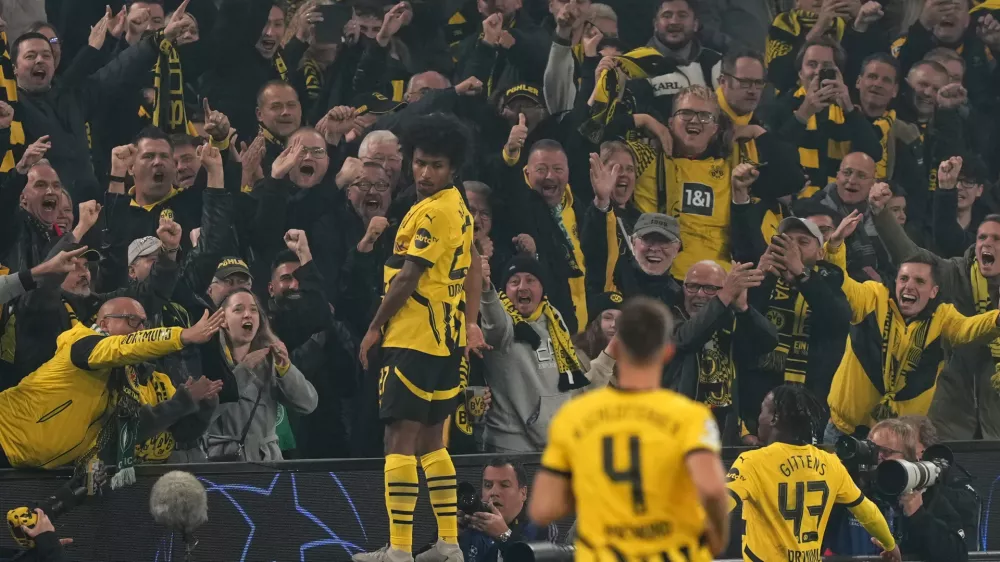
469, 501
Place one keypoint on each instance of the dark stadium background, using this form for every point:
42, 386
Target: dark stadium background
312, 511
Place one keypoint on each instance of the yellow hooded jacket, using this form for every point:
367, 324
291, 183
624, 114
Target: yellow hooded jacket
54, 415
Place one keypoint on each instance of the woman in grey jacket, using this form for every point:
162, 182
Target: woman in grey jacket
265, 377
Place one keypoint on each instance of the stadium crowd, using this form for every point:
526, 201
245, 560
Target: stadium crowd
203, 204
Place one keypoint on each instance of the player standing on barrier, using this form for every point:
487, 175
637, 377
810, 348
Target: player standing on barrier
639, 463
788, 488
423, 316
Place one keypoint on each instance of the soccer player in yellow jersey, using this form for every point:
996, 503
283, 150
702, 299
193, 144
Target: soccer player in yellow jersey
788, 488
639, 464
423, 328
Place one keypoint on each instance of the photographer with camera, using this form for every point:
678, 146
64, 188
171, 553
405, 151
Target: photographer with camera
489, 526
960, 493
923, 520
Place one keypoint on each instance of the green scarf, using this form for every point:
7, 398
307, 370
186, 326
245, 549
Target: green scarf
571, 375
981, 296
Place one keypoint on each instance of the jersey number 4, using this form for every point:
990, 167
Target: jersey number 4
632, 474
796, 511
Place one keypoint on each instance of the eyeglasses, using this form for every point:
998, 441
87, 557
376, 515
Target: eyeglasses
368, 185
886, 452
317, 151
381, 159
967, 184
709, 290
851, 172
688, 115
747, 83
134, 320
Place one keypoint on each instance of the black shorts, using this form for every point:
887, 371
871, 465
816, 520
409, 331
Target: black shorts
417, 386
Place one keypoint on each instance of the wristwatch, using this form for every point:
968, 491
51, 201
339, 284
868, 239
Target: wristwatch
505, 536
802, 277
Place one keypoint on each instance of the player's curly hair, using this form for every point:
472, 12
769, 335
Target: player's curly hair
798, 413
437, 134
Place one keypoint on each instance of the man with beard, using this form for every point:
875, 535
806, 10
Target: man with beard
950, 24
675, 30
819, 117
246, 55
867, 258
55, 307
61, 112
719, 337
967, 401
741, 85
801, 296
607, 227
914, 325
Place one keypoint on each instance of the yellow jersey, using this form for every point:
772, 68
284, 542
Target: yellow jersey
787, 493
54, 415
436, 233
625, 452
159, 388
699, 196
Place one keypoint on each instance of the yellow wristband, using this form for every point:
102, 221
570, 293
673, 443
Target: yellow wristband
221, 145
509, 159
282, 369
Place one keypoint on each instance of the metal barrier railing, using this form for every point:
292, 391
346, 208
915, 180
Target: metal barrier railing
548, 552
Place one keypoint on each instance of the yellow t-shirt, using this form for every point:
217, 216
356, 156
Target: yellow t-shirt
787, 492
156, 449
699, 195
436, 233
54, 415
625, 454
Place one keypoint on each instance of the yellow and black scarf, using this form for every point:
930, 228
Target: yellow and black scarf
279, 65
789, 29
894, 370
884, 125
746, 150
571, 376
789, 313
823, 145
609, 96
313, 74
168, 112
8, 93
981, 297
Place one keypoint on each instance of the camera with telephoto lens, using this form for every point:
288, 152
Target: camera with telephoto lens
469, 501
860, 458
897, 477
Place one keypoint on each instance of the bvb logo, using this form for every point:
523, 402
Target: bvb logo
477, 406
167, 214
776, 318
716, 172
616, 298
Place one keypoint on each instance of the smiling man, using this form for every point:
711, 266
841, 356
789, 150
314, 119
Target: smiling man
966, 400
914, 324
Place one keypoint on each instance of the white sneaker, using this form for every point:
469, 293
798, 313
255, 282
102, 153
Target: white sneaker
384, 554
442, 552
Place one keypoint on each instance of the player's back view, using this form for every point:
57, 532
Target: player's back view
788, 488
640, 464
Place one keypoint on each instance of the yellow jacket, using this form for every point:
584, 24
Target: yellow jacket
890, 362
54, 415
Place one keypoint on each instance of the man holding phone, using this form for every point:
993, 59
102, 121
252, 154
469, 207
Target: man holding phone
820, 115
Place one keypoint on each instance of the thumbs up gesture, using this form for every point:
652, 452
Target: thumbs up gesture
518, 134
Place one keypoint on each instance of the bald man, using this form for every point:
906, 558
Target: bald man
867, 257
424, 82
718, 335
48, 419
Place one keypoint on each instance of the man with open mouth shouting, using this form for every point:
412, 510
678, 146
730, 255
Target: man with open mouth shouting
967, 398
895, 352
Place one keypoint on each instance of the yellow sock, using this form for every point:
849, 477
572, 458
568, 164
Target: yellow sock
401, 488
442, 487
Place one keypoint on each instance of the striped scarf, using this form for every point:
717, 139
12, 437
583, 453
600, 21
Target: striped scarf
788, 32
8, 93
313, 74
981, 297
571, 375
884, 125
279, 65
609, 94
825, 143
894, 371
789, 313
169, 112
